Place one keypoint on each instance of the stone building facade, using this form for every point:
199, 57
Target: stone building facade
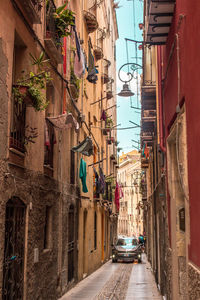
171, 212
53, 234
130, 220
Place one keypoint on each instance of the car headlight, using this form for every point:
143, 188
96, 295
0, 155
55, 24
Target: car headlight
139, 255
113, 255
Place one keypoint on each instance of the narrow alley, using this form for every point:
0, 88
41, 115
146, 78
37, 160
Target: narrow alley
99, 150
117, 281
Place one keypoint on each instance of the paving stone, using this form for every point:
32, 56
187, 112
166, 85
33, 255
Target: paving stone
117, 281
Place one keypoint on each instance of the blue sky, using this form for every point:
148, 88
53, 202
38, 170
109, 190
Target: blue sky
125, 19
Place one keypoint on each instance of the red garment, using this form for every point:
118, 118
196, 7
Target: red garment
146, 151
117, 196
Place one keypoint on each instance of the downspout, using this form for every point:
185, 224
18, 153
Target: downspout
159, 101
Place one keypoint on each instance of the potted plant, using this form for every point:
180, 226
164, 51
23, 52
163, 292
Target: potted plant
74, 84
63, 19
109, 141
109, 123
30, 88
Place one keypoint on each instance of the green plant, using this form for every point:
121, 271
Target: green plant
63, 19
34, 84
109, 122
74, 80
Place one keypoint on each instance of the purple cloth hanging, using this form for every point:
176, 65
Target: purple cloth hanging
103, 116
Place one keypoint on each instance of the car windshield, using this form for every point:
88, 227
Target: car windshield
126, 242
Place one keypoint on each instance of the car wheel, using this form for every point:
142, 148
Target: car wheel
114, 260
139, 261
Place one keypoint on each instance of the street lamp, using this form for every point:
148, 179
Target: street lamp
126, 92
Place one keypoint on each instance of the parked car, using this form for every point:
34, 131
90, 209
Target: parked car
126, 249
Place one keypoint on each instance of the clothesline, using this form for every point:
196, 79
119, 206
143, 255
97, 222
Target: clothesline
98, 162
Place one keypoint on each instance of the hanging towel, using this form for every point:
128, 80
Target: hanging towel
78, 47
79, 67
82, 175
102, 181
85, 147
92, 71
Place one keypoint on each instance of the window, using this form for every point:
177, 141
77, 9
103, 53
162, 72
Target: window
72, 158
72, 169
49, 144
95, 230
48, 228
18, 110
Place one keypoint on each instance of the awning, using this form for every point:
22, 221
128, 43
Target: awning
64, 121
85, 147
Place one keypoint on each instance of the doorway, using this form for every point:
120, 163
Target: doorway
71, 243
13, 267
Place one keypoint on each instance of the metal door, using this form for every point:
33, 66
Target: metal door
71, 243
13, 268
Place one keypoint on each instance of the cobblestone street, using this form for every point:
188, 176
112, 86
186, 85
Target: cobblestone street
117, 281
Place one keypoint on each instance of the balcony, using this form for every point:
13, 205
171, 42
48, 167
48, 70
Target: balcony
98, 53
91, 21
52, 41
33, 10
149, 115
158, 21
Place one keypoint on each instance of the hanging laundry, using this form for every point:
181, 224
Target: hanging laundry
50, 137
117, 196
85, 147
83, 175
79, 68
79, 61
46, 135
103, 116
64, 121
145, 151
71, 120
97, 186
102, 181
92, 71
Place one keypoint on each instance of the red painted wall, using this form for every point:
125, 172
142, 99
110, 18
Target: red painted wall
189, 34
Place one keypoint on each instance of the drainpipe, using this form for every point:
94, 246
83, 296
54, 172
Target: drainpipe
159, 101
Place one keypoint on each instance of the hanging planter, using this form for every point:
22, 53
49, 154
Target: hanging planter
98, 53
21, 94
91, 21
109, 142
